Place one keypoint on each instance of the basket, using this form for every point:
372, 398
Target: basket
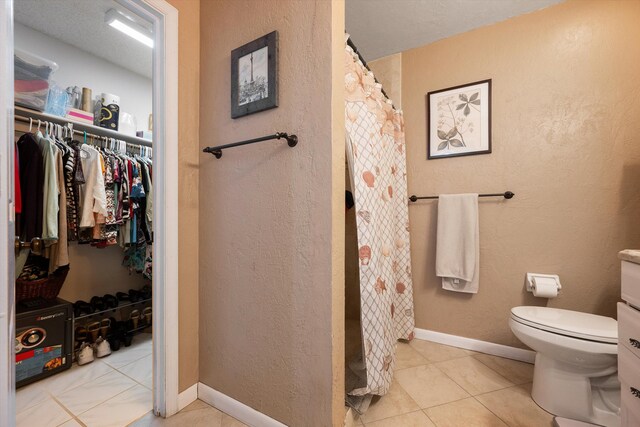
47, 288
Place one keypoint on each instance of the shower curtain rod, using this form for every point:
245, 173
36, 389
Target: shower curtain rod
355, 49
506, 195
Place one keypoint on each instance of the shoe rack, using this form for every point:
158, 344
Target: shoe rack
117, 324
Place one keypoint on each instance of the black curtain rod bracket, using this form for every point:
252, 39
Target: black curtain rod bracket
506, 195
292, 141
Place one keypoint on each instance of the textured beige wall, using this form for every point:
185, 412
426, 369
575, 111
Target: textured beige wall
188, 160
388, 72
337, 247
565, 140
97, 272
271, 285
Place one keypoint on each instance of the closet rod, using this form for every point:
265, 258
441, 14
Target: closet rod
24, 114
292, 141
355, 49
506, 195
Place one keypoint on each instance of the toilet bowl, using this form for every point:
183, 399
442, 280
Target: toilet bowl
576, 366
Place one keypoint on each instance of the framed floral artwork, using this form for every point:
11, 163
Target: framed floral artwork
459, 120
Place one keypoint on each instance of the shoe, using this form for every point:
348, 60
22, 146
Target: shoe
102, 347
94, 330
147, 313
123, 297
110, 301
80, 335
85, 355
146, 292
128, 338
114, 342
104, 327
98, 304
135, 296
81, 308
134, 317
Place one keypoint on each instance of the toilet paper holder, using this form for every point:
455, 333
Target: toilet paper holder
529, 279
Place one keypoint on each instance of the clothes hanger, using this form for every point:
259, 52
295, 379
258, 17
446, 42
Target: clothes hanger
30, 123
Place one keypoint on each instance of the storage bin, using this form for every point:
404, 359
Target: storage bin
32, 79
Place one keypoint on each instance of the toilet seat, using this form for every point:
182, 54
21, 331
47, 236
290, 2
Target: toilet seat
574, 324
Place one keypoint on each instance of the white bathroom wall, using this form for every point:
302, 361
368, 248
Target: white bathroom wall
80, 68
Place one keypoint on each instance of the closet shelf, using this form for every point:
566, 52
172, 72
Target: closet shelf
24, 114
98, 313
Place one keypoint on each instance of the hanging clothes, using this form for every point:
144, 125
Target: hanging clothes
17, 202
59, 251
50, 191
32, 187
70, 191
72, 170
93, 196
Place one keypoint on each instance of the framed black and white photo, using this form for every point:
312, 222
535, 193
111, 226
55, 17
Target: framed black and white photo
459, 120
254, 76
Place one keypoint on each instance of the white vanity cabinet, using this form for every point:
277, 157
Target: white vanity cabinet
629, 339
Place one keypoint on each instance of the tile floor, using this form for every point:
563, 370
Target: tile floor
198, 414
434, 385
112, 391
438, 385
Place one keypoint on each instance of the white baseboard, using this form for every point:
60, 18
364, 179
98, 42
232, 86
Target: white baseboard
477, 345
237, 410
187, 397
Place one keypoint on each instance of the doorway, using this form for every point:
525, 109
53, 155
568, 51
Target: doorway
164, 20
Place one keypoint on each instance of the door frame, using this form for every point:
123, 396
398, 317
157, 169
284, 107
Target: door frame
164, 18
7, 258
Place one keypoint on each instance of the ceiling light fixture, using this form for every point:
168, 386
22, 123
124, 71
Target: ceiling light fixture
127, 26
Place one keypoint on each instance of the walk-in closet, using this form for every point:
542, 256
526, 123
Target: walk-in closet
84, 213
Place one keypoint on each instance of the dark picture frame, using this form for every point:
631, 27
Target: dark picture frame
459, 120
254, 76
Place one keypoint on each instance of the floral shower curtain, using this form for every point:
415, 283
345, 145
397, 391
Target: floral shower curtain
376, 156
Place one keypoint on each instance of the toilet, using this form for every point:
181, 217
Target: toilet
576, 367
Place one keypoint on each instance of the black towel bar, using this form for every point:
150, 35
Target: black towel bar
292, 141
506, 195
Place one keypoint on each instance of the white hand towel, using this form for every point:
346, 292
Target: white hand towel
458, 243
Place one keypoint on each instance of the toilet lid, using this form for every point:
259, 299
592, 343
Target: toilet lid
566, 322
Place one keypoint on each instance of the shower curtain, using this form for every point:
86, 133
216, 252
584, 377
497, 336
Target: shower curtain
377, 162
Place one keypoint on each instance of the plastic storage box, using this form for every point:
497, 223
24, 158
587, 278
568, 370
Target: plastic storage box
32, 79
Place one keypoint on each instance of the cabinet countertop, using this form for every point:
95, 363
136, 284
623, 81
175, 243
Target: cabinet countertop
631, 255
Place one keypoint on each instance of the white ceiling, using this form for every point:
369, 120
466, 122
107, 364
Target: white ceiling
81, 23
377, 27
383, 27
